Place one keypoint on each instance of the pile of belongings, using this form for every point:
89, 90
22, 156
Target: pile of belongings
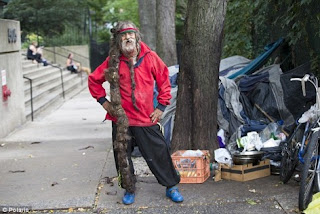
251, 99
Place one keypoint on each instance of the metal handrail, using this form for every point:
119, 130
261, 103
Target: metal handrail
56, 53
60, 68
81, 78
75, 54
61, 75
31, 96
31, 91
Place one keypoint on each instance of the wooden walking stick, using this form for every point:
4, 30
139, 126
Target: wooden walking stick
269, 117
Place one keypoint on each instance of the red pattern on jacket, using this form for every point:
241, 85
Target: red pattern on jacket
150, 69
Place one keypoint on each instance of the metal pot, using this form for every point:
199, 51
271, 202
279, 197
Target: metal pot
247, 157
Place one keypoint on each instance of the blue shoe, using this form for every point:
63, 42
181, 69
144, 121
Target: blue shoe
128, 198
174, 194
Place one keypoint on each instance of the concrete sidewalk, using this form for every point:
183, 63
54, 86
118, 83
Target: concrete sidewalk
63, 162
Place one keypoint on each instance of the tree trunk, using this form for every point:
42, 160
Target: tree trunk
148, 21
196, 113
166, 35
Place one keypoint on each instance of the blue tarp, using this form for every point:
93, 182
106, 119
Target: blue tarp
259, 61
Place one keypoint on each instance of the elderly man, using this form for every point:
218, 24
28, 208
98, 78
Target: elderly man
132, 68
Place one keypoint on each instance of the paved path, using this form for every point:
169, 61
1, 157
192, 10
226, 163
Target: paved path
64, 162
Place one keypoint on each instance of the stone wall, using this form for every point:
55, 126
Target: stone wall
12, 110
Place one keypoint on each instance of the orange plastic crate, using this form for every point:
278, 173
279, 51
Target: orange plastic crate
192, 169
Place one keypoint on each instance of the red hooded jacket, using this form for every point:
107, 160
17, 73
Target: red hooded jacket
149, 68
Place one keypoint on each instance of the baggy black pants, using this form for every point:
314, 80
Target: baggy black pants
153, 149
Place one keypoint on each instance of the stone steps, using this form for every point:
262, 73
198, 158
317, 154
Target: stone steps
47, 93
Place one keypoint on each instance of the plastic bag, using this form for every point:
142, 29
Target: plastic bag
221, 138
314, 206
222, 155
271, 143
272, 130
308, 115
241, 142
232, 147
192, 153
250, 142
232, 143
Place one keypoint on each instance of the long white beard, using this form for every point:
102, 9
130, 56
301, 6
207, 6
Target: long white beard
129, 47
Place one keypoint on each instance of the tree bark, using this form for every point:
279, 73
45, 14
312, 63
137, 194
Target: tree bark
148, 21
166, 35
196, 113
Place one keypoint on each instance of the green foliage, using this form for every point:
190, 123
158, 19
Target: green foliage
120, 10
106, 13
250, 25
104, 35
96, 11
47, 18
238, 28
71, 36
111, 11
298, 22
30, 38
181, 9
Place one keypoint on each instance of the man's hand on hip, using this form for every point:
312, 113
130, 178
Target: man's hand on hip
156, 115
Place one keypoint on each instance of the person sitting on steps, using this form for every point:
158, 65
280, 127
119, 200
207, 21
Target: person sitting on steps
71, 66
35, 54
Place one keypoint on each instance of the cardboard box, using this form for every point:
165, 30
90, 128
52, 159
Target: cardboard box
217, 174
246, 172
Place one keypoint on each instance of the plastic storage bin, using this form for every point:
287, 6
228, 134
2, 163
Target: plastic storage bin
192, 169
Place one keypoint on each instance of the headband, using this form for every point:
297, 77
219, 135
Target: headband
127, 30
